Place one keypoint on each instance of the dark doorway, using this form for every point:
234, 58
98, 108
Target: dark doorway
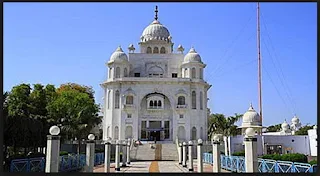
155, 135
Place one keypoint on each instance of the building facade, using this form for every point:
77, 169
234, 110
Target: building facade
157, 93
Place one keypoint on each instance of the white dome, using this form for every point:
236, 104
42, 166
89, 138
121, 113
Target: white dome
155, 31
119, 56
251, 117
285, 125
295, 120
192, 56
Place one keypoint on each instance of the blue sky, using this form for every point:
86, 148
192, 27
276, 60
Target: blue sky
55, 43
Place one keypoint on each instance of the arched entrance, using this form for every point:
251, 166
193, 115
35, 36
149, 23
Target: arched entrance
181, 133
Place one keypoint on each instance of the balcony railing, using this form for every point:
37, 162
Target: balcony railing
182, 106
128, 106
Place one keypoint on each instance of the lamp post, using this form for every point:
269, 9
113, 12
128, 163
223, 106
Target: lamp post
53, 150
128, 151
251, 156
199, 156
117, 158
90, 153
180, 153
124, 153
184, 153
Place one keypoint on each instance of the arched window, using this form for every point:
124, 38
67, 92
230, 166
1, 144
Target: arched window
181, 100
149, 50
109, 98
201, 101
110, 71
193, 73
125, 72
155, 103
194, 100
156, 50
129, 99
193, 133
185, 72
162, 50
159, 103
118, 72
201, 73
117, 100
116, 132
151, 103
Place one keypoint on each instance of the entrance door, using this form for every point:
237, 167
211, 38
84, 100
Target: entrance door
155, 135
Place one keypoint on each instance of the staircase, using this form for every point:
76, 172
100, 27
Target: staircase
148, 152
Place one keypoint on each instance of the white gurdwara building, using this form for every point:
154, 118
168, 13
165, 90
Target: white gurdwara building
156, 93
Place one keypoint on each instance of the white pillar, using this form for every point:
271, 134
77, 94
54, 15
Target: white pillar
180, 153
117, 157
190, 167
128, 151
251, 156
107, 157
124, 154
53, 150
90, 154
199, 156
216, 157
225, 146
184, 154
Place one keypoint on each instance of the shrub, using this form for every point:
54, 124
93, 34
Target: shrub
63, 153
293, 157
36, 155
241, 153
312, 162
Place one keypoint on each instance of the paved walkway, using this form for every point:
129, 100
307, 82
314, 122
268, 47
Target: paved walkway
154, 166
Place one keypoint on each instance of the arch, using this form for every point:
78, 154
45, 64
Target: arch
181, 100
149, 50
181, 133
185, 72
125, 72
201, 100
109, 98
194, 133
156, 50
116, 132
201, 73
159, 103
194, 100
193, 73
128, 133
155, 103
110, 72
151, 103
155, 71
162, 50
129, 99
118, 72
117, 100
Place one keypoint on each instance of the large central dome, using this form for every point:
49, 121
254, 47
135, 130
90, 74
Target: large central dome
155, 31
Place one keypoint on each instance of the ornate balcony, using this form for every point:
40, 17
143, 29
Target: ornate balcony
129, 107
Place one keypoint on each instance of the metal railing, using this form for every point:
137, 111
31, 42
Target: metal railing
237, 164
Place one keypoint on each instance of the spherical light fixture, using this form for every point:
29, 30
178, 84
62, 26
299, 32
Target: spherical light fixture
250, 132
216, 138
54, 130
190, 143
91, 137
200, 141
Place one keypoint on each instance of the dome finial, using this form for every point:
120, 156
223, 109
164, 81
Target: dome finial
156, 13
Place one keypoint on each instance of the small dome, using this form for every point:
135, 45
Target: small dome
285, 125
192, 56
251, 117
155, 31
119, 56
295, 120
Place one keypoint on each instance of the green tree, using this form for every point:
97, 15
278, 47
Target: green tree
304, 130
76, 111
274, 128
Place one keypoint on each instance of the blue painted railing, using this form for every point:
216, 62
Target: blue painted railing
67, 163
237, 164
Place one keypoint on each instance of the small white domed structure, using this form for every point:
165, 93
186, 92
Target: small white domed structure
155, 31
295, 124
192, 56
119, 56
91, 137
54, 130
285, 128
251, 119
